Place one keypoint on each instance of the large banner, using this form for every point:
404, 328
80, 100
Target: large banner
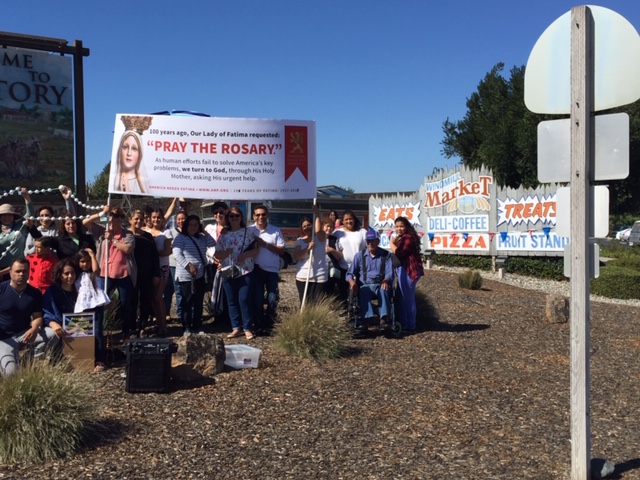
36, 119
208, 157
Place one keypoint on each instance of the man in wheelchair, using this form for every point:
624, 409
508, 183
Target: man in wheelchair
370, 277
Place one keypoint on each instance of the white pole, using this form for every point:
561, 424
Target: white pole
106, 253
306, 285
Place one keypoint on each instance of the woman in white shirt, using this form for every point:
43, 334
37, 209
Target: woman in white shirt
310, 253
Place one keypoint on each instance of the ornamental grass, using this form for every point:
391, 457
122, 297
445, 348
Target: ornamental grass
319, 331
45, 411
470, 279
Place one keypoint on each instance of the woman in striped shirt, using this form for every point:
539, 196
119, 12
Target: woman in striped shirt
189, 250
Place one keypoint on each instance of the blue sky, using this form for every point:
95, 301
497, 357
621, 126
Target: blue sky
378, 77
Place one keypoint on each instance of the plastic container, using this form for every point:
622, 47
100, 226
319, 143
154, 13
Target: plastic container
242, 356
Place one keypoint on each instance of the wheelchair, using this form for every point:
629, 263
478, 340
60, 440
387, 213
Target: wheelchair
361, 325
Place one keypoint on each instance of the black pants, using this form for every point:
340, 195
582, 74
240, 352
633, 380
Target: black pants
192, 298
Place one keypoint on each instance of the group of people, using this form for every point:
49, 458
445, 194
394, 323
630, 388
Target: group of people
75, 266
340, 257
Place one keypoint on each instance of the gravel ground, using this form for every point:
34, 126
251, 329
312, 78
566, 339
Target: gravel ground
481, 391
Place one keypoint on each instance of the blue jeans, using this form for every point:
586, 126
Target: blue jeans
125, 289
407, 299
9, 348
368, 292
238, 292
261, 280
98, 332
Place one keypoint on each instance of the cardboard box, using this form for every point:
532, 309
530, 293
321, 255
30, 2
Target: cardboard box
80, 351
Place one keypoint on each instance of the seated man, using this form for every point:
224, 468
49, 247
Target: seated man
21, 321
372, 274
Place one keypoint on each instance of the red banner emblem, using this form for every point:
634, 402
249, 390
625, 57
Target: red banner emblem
296, 151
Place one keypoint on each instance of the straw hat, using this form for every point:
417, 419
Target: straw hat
6, 208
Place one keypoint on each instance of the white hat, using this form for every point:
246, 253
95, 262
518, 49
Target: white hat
5, 208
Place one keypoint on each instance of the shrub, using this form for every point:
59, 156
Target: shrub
617, 282
470, 279
316, 332
551, 268
45, 411
468, 261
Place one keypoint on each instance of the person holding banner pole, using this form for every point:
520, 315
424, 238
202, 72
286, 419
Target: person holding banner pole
116, 258
309, 251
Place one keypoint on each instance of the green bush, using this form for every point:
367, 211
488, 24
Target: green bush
465, 261
551, 268
617, 282
45, 411
470, 279
316, 332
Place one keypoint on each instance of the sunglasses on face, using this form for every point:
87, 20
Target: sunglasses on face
219, 212
234, 215
260, 214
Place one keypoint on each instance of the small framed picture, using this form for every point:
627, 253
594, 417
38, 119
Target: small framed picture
78, 324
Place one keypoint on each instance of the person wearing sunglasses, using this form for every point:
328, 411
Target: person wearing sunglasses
265, 271
236, 249
116, 257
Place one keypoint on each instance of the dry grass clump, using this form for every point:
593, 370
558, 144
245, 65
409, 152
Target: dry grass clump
45, 411
471, 280
317, 332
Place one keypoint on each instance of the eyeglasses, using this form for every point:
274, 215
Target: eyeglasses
260, 214
219, 212
233, 215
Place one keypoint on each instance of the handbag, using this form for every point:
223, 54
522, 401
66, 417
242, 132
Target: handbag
209, 269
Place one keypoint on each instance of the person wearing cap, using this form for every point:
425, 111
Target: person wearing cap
14, 232
371, 276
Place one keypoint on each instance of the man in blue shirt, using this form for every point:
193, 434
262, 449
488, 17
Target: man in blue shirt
371, 275
21, 320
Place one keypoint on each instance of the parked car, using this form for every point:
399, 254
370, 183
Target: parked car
634, 234
616, 230
623, 235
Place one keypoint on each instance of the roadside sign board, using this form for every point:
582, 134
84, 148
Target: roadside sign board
611, 145
547, 79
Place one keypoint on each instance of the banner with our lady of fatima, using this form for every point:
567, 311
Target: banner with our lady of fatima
209, 157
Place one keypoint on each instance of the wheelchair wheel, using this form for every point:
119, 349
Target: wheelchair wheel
396, 329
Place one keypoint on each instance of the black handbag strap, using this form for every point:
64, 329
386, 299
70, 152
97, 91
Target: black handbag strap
199, 252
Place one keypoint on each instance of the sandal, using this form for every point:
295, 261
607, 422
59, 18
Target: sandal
235, 334
100, 367
249, 335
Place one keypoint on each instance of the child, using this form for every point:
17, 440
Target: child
41, 263
92, 298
